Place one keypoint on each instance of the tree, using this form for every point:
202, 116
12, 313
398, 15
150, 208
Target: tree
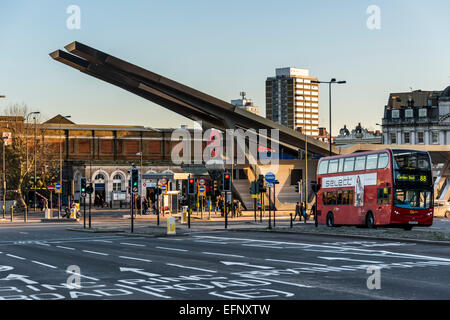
21, 156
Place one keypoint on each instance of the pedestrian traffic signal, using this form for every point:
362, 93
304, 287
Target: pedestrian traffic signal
226, 181
254, 189
191, 186
89, 189
261, 187
134, 180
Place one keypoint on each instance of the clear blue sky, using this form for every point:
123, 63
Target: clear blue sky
222, 48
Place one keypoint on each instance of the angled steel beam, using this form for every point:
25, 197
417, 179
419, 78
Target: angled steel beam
175, 96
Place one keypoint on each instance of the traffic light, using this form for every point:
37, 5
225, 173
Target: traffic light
297, 186
226, 181
254, 188
315, 187
191, 186
261, 187
83, 185
134, 180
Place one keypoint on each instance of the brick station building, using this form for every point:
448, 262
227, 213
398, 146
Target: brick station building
104, 155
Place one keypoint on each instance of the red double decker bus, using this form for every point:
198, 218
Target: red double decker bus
378, 188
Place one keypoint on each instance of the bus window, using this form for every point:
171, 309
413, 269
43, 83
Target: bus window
345, 198
360, 163
331, 199
348, 165
333, 167
323, 167
383, 160
339, 198
383, 196
350, 197
372, 161
341, 165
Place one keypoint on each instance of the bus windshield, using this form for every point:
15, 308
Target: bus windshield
412, 199
407, 160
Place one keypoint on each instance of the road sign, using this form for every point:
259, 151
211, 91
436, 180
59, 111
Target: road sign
83, 194
201, 181
7, 138
269, 185
58, 188
51, 188
164, 188
163, 181
201, 190
270, 177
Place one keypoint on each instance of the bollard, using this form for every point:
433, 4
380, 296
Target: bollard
12, 213
25, 216
291, 220
171, 226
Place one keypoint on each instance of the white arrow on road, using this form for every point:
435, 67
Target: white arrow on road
348, 259
245, 264
19, 277
139, 271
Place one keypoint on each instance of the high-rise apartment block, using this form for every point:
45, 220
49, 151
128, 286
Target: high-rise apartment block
292, 100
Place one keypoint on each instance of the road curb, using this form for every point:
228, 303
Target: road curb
447, 243
94, 231
59, 220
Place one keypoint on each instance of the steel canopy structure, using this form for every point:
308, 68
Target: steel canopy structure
179, 98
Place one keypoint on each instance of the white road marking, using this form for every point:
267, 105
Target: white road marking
23, 232
327, 248
106, 241
133, 244
144, 291
193, 268
67, 248
44, 264
174, 249
298, 262
16, 257
245, 264
132, 258
83, 276
94, 252
223, 254
348, 259
278, 281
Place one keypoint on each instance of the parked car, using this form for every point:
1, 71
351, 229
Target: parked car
442, 208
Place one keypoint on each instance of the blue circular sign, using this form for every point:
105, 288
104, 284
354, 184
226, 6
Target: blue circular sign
270, 177
201, 189
163, 187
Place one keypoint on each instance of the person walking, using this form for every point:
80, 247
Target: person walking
297, 212
304, 210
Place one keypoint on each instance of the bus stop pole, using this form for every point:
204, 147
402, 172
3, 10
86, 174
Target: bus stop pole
90, 198
132, 213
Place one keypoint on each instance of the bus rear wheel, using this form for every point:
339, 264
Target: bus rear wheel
370, 221
407, 228
330, 220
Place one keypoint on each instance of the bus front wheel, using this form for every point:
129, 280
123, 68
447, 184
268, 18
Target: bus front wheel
407, 228
370, 221
330, 220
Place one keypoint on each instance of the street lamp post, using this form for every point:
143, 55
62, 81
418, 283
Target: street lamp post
4, 173
60, 168
35, 133
140, 182
26, 137
330, 83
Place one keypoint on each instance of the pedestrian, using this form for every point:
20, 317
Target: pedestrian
298, 212
304, 211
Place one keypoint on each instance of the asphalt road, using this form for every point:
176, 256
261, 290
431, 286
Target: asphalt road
40, 261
